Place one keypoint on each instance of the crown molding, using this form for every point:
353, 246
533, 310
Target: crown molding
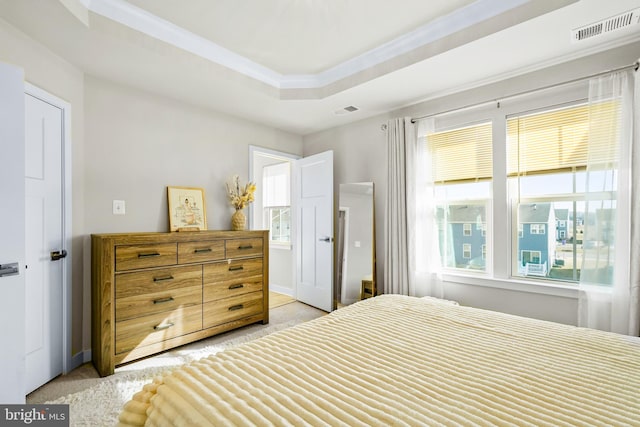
140, 20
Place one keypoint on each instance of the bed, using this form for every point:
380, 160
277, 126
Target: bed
405, 361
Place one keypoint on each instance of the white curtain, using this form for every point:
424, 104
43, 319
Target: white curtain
428, 274
609, 280
411, 252
399, 259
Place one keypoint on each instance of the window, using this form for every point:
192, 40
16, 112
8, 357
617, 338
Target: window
461, 166
547, 154
538, 228
279, 220
529, 156
466, 251
277, 202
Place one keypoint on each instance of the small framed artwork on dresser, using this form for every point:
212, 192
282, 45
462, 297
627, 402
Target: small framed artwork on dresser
187, 211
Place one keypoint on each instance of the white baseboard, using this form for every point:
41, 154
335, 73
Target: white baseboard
281, 289
79, 359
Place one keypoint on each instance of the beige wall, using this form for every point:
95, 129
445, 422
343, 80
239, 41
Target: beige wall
360, 155
137, 144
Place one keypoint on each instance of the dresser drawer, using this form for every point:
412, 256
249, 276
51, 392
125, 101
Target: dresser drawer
131, 257
189, 252
238, 248
141, 331
230, 309
233, 269
146, 292
221, 290
223, 280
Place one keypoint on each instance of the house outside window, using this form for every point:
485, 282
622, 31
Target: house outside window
466, 229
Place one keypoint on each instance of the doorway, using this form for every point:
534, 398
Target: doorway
273, 209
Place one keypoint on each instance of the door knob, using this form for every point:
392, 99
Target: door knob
326, 239
56, 255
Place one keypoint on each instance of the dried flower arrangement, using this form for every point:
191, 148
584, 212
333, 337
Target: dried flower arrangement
240, 196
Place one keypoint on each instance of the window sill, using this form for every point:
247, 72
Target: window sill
515, 284
280, 246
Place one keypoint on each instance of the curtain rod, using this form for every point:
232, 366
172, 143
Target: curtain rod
635, 66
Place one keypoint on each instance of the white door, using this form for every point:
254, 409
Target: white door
12, 296
313, 178
44, 241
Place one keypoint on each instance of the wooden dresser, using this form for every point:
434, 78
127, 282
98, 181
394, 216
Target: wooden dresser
155, 291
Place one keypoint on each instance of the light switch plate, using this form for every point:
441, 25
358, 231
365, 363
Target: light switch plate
118, 207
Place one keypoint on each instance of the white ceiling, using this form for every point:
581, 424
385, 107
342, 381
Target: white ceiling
292, 64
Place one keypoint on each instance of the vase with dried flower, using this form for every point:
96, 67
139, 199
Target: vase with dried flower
239, 196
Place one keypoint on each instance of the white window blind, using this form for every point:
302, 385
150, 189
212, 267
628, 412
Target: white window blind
276, 185
562, 140
461, 155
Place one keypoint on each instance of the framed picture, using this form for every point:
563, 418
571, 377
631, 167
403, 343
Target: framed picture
186, 209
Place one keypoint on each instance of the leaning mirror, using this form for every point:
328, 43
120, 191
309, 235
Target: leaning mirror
355, 243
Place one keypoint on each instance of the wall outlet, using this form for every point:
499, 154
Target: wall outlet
118, 207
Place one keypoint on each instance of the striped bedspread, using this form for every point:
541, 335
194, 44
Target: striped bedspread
404, 361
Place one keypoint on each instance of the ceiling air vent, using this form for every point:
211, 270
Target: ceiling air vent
346, 110
614, 23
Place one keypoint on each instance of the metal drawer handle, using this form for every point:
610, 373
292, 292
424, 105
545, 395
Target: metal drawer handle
203, 250
163, 278
236, 268
148, 254
236, 307
160, 301
236, 286
162, 327
243, 247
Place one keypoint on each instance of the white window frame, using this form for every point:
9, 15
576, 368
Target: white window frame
466, 229
539, 229
466, 250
